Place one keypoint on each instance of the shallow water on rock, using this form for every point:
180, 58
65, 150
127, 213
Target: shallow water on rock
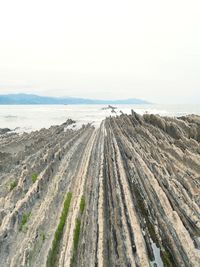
156, 251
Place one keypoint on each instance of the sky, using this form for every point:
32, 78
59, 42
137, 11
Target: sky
106, 49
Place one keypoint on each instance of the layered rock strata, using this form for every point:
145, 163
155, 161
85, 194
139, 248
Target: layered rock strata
135, 194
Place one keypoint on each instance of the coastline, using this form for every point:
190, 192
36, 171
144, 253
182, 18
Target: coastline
139, 177
24, 118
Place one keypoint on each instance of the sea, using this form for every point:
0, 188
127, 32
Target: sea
27, 118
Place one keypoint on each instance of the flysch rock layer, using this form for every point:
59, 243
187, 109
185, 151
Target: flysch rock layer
139, 177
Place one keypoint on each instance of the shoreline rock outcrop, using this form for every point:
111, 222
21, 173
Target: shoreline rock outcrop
135, 186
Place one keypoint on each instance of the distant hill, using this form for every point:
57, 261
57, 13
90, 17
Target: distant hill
29, 99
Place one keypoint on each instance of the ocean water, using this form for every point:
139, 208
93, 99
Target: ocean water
26, 118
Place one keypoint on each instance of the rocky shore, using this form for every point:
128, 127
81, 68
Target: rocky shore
124, 194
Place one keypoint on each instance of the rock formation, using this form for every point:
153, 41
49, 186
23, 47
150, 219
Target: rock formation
124, 194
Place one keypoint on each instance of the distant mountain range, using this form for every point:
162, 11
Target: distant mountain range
29, 99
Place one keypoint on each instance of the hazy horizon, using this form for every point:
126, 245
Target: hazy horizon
64, 96
108, 50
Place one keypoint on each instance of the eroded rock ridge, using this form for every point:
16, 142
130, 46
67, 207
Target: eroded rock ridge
124, 194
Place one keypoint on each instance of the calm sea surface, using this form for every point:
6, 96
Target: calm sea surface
34, 117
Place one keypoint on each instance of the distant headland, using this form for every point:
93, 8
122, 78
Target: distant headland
30, 99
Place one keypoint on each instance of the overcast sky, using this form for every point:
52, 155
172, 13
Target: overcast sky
102, 49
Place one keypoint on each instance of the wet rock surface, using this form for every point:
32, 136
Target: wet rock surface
139, 177
4, 131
